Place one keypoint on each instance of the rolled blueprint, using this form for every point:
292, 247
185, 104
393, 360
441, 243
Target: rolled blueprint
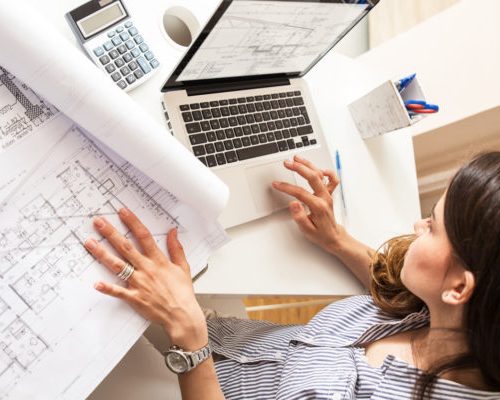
64, 76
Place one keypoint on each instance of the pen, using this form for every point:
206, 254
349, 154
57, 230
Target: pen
404, 82
416, 107
339, 172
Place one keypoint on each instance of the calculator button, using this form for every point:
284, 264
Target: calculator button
125, 71
144, 47
98, 51
131, 79
128, 24
149, 56
133, 65
127, 58
144, 65
116, 76
111, 33
139, 39
138, 74
133, 31
125, 36
108, 45
110, 68
122, 49
122, 84
119, 63
135, 52
119, 29
130, 44
116, 40
113, 54
104, 60
154, 63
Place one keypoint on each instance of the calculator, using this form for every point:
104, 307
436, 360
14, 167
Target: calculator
113, 42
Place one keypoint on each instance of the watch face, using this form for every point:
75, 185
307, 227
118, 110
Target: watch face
177, 362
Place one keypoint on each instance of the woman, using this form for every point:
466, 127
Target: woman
430, 328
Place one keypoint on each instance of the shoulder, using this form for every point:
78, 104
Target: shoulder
351, 320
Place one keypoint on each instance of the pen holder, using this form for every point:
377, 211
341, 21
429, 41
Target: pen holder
383, 109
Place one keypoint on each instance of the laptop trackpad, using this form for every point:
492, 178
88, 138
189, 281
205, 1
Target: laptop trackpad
260, 177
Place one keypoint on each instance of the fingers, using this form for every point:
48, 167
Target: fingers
114, 291
309, 199
301, 218
106, 258
306, 162
140, 232
313, 175
122, 245
176, 250
333, 180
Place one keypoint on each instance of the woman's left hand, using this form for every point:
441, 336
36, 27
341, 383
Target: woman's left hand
160, 289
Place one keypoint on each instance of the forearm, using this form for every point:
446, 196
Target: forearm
355, 255
201, 383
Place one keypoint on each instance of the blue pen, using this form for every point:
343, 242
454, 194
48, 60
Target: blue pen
404, 82
339, 172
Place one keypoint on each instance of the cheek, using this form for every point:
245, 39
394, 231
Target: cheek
421, 273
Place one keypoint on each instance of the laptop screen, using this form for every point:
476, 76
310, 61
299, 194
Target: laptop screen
248, 38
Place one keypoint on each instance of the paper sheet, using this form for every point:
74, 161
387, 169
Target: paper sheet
58, 336
27, 123
64, 76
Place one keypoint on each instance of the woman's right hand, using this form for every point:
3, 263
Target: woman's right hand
319, 224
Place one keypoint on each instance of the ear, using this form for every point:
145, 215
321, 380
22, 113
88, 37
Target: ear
461, 291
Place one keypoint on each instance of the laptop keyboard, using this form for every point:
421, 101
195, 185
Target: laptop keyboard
237, 129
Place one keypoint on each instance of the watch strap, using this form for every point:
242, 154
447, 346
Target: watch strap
198, 356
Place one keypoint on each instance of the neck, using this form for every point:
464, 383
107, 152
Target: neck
444, 340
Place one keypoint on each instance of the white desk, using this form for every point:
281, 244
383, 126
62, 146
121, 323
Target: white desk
269, 256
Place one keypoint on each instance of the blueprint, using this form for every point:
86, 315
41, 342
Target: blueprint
46, 273
26, 121
70, 151
269, 37
60, 73
22, 111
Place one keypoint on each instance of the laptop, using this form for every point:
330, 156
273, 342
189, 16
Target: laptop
237, 99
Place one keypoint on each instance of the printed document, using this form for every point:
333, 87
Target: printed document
70, 151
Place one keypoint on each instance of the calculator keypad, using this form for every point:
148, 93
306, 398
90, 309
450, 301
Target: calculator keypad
125, 56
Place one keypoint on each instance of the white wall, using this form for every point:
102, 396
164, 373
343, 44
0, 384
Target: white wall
456, 55
392, 17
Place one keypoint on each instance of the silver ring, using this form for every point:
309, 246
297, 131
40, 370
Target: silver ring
126, 272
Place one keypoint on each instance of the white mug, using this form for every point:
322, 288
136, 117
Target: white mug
179, 27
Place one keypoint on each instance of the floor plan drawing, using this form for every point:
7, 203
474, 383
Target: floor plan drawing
21, 110
43, 229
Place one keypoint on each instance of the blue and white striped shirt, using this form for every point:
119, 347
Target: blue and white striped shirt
323, 359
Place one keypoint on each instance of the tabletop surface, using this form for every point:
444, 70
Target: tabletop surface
270, 256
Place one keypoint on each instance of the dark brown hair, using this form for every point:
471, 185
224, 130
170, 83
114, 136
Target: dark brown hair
472, 223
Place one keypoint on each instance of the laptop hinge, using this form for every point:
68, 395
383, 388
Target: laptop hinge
219, 87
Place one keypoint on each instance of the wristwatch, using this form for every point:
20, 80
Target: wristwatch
180, 361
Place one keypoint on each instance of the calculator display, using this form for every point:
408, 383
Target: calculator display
101, 19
